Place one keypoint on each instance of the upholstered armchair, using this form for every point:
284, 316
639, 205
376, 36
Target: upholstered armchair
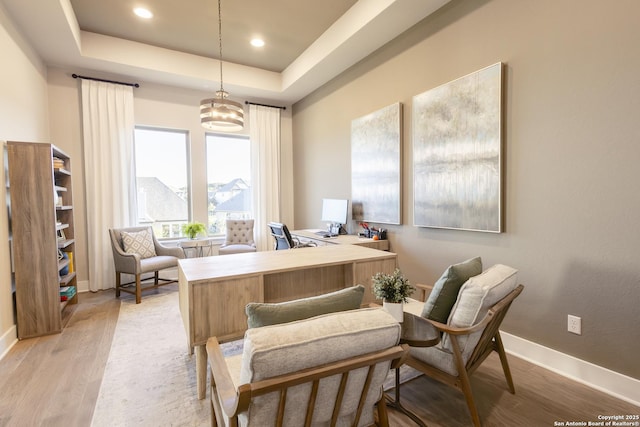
136, 251
239, 238
470, 325
325, 370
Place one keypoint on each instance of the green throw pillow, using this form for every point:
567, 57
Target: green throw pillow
445, 291
263, 314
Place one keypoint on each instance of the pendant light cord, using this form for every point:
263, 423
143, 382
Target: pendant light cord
220, 43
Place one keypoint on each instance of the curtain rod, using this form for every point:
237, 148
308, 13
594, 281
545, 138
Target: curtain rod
76, 76
264, 105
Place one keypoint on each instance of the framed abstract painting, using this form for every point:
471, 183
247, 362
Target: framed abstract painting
376, 158
457, 153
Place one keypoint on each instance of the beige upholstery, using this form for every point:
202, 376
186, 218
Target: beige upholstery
239, 237
133, 263
471, 333
308, 360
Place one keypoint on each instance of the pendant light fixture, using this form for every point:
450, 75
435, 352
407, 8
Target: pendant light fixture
220, 113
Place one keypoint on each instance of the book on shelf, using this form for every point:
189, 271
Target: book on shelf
71, 268
58, 163
67, 291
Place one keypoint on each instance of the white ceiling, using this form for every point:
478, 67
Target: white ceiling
308, 42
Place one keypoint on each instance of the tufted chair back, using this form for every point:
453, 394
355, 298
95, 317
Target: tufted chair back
239, 237
239, 232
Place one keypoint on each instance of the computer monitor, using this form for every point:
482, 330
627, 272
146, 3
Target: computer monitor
334, 212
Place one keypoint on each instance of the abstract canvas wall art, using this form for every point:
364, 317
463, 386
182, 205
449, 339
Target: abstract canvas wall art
457, 150
376, 156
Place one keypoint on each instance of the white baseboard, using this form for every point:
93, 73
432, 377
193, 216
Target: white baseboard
83, 286
602, 379
8, 340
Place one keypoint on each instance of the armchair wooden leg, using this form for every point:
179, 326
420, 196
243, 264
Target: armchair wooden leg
117, 284
155, 279
468, 395
504, 362
383, 416
138, 289
463, 381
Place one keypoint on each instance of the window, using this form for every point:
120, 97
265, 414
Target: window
228, 180
162, 180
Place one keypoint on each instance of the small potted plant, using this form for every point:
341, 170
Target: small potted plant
394, 290
192, 229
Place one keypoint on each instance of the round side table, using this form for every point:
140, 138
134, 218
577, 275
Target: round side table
197, 248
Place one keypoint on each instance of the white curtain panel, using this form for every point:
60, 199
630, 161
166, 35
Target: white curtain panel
264, 125
108, 126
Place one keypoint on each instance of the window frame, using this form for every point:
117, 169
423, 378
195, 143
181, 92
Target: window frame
207, 138
188, 166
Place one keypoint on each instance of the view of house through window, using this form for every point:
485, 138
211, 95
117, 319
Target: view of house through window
162, 180
228, 180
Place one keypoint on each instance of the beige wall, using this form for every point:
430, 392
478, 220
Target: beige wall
572, 144
23, 117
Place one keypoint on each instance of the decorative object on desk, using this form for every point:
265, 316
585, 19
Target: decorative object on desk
378, 233
192, 229
376, 141
367, 230
457, 148
394, 290
372, 232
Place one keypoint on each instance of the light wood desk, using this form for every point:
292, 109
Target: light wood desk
343, 239
214, 291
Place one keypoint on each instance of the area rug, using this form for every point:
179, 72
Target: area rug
150, 378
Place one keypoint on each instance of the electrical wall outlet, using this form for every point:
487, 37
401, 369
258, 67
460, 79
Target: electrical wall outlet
574, 324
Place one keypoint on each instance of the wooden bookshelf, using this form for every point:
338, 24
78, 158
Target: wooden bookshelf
42, 227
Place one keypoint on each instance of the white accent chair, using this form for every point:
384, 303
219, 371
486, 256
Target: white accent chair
239, 237
325, 370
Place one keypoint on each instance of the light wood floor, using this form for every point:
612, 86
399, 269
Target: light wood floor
54, 381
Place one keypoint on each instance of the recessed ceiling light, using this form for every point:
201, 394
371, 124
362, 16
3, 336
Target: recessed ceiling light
257, 42
143, 13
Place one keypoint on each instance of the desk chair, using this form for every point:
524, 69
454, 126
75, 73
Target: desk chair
283, 238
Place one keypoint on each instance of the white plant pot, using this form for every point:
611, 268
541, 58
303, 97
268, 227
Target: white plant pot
394, 309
